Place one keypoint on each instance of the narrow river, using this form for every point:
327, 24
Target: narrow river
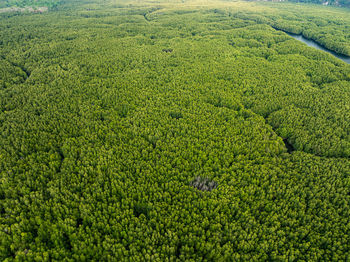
312, 43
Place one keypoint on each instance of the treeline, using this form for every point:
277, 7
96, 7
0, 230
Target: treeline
345, 3
32, 3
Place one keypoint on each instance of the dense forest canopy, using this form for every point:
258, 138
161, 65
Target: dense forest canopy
32, 3
340, 3
345, 3
174, 131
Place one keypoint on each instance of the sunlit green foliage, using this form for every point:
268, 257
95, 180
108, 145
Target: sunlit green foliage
327, 26
33, 3
104, 133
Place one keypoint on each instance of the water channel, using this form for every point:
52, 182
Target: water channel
312, 43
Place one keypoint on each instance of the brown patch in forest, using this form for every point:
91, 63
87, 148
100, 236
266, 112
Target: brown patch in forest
29, 9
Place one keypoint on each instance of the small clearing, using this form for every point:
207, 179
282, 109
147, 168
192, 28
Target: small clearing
29, 9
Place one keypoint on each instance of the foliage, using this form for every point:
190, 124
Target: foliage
327, 26
33, 3
102, 134
325, 2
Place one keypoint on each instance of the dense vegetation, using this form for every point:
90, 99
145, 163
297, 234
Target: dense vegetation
345, 3
159, 133
32, 3
327, 26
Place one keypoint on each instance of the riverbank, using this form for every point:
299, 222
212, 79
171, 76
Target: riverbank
313, 43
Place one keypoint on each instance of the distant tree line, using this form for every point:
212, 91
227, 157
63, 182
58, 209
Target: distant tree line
342, 3
325, 2
33, 3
